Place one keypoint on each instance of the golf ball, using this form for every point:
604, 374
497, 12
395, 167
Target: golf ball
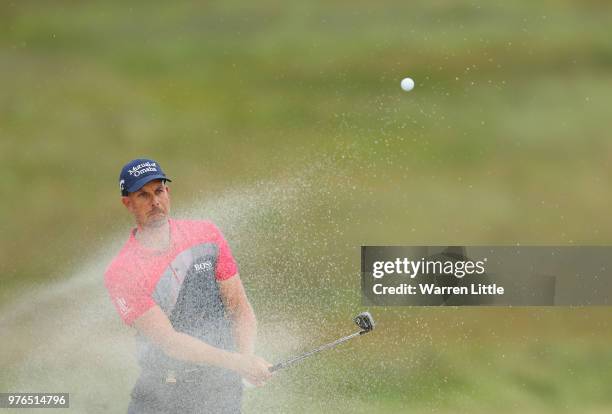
407, 84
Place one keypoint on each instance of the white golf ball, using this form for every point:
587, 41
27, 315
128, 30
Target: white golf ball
407, 84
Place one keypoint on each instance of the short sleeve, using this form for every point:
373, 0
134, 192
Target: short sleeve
226, 265
130, 300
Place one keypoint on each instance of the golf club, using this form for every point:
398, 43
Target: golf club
365, 322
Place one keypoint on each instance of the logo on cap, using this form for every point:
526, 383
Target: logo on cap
143, 168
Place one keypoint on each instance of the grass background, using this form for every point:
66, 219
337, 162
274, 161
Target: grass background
284, 122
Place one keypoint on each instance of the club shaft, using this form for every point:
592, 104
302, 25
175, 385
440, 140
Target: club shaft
298, 358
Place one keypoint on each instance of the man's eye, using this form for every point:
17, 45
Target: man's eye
142, 195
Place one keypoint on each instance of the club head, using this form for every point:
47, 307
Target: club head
365, 321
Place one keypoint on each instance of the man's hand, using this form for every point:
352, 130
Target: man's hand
254, 369
154, 324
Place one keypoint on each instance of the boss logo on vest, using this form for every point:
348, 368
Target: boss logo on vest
202, 267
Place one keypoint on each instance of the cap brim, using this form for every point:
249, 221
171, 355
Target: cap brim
140, 183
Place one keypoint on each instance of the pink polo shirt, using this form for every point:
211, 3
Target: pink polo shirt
139, 278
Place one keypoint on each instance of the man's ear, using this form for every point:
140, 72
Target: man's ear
127, 202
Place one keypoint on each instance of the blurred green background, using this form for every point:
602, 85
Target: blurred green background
284, 122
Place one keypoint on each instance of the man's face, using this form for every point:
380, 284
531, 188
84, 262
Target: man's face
150, 205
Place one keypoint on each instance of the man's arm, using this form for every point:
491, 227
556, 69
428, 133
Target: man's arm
241, 313
155, 325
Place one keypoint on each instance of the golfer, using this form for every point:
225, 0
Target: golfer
177, 284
